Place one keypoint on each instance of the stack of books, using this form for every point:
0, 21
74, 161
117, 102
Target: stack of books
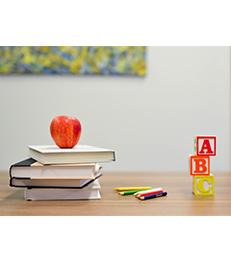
52, 173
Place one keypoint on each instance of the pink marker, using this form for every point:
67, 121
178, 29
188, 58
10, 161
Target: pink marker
148, 192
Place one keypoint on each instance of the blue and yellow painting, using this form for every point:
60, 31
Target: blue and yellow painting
78, 60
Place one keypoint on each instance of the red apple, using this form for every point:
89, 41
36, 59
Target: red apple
65, 131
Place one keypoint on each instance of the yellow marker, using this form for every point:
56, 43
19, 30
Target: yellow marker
131, 188
203, 185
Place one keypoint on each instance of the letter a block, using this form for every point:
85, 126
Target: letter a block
199, 165
203, 186
206, 145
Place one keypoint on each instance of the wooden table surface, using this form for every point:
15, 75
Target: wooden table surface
180, 200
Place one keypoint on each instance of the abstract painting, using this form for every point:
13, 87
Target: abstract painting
77, 60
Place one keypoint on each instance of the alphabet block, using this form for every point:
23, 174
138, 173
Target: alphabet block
203, 186
206, 145
199, 165
195, 146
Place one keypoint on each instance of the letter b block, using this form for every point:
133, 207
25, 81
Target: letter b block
199, 165
203, 186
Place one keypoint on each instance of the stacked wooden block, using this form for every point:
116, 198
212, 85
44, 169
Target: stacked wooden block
203, 179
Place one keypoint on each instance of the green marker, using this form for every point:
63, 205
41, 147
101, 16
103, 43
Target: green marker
129, 192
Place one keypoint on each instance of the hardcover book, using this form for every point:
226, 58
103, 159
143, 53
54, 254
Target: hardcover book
30, 168
51, 154
89, 192
51, 182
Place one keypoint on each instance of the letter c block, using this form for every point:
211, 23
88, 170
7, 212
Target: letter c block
203, 185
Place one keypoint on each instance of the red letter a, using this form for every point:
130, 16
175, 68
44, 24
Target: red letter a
206, 148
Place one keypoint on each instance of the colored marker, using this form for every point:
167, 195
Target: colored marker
132, 188
129, 192
149, 190
149, 193
162, 194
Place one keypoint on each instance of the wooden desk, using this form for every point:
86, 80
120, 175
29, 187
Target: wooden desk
179, 201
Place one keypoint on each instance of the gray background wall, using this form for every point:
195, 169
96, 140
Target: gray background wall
150, 122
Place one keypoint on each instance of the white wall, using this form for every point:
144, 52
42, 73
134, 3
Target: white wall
149, 122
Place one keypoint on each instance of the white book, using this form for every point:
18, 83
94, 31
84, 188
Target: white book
30, 168
51, 182
90, 192
52, 154
60, 194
